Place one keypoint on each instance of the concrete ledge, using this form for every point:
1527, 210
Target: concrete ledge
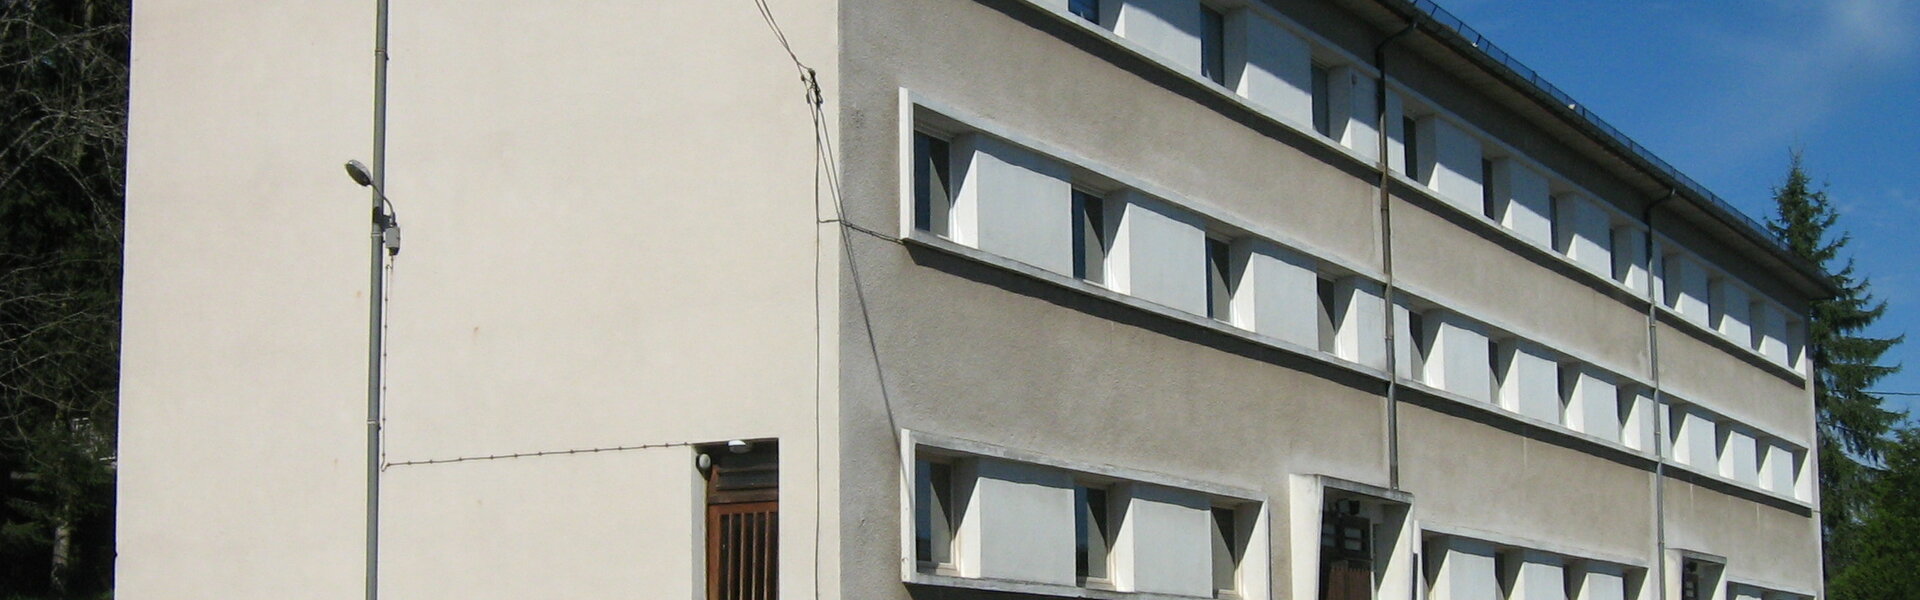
1715, 482
1489, 414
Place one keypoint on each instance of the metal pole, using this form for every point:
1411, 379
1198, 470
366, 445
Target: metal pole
376, 300
1386, 257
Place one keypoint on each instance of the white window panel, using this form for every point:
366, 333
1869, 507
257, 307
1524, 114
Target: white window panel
1457, 360
1528, 381
1637, 419
1586, 233
1694, 439
1593, 404
1731, 306
1018, 523
1361, 331
1169, 28
1776, 469
1159, 253
1352, 98
1013, 202
1460, 569
1739, 456
1269, 65
1685, 284
1524, 201
1600, 581
1164, 544
1770, 329
1277, 292
1630, 257
1450, 160
1540, 576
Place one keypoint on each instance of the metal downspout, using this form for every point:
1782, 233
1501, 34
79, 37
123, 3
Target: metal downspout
376, 300
1659, 407
1386, 257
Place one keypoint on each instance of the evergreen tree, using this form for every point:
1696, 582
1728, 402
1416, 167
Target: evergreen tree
1854, 425
1886, 544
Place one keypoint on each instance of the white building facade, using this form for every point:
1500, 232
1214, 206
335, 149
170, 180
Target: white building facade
1255, 299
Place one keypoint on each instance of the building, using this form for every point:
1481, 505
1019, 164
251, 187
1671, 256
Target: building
937, 299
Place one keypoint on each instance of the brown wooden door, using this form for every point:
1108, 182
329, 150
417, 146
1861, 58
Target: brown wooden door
743, 551
1346, 558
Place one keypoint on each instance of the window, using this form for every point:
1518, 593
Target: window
1410, 147
1090, 239
1561, 242
1092, 536
933, 514
1226, 553
1322, 111
1417, 340
1329, 315
1489, 205
1213, 44
1346, 552
743, 521
932, 185
1085, 9
1219, 280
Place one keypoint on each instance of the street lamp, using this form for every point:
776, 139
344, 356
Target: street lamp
386, 244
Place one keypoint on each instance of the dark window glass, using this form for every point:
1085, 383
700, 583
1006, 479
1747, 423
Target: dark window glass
1089, 237
1213, 44
932, 191
1226, 555
1489, 204
1410, 150
1329, 315
1219, 281
1090, 532
1085, 9
1322, 115
932, 512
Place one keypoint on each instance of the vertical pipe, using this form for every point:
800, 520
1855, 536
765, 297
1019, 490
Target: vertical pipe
376, 298
1386, 258
1659, 408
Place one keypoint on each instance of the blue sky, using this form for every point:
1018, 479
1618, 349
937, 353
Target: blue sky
1723, 90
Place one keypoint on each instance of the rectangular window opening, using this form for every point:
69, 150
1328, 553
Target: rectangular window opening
1090, 239
932, 185
1489, 205
1329, 315
1322, 110
933, 516
1219, 280
1226, 553
1410, 147
1085, 9
1213, 44
1092, 535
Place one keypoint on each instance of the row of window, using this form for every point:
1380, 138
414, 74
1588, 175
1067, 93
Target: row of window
1716, 445
1460, 568
1257, 56
992, 518
1019, 204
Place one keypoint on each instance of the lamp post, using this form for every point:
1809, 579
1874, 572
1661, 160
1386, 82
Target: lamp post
385, 244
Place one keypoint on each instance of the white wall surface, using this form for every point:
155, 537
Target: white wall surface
1637, 430
1771, 329
1159, 253
1695, 440
1278, 293
1685, 283
510, 528
1269, 65
1599, 581
1163, 545
1013, 202
1630, 257
1351, 100
1733, 304
1018, 523
1776, 469
1170, 28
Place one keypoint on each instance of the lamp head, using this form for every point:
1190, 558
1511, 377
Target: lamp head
359, 173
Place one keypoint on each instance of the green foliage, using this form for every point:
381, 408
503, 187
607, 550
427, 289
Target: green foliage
1885, 545
1855, 427
63, 110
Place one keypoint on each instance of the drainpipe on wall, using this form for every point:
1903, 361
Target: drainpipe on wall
376, 299
1659, 407
1386, 257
